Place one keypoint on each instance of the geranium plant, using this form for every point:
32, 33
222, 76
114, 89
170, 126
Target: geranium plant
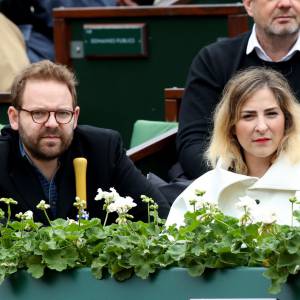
209, 239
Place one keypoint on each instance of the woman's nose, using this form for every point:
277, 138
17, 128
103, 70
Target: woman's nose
261, 125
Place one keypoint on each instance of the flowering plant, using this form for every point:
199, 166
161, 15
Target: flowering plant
209, 240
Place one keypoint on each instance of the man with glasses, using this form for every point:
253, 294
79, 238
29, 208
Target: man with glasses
274, 43
38, 149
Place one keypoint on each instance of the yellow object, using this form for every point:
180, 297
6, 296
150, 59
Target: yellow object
80, 165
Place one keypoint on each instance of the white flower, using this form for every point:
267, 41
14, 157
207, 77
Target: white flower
8, 201
43, 205
71, 221
121, 205
28, 215
107, 196
79, 203
99, 195
246, 202
244, 246
19, 215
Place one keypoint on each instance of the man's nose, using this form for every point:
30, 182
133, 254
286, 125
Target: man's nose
51, 122
285, 3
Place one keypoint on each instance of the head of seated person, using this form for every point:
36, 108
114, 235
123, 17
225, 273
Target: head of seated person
254, 148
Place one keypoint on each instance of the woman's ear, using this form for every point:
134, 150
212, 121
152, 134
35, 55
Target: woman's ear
13, 117
233, 130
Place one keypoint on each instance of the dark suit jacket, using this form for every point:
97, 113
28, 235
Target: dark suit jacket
108, 166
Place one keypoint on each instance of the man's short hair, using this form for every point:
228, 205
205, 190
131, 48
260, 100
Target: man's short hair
43, 70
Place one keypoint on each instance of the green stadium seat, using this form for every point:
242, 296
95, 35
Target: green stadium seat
144, 130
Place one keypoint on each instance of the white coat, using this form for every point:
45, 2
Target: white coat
273, 190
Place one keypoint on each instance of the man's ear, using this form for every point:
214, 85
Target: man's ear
13, 117
248, 7
76, 116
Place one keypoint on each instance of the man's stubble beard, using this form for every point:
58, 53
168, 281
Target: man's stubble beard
279, 31
39, 150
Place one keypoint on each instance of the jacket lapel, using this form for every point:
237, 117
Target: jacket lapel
28, 190
66, 186
282, 175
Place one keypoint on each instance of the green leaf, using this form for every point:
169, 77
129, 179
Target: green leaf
123, 274
2, 277
144, 270
177, 250
286, 259
49, 245
293, 244
61, 259
296, 214
196, 270
35, 267
97, 266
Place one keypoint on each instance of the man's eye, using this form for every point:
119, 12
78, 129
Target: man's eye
63, 114
39, 114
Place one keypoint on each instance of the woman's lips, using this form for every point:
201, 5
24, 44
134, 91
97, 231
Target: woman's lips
262, 140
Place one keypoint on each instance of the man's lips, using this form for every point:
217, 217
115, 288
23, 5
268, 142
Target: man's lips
50, 137
284, 18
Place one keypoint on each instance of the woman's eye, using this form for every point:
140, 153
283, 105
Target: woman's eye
272, 114
247, 117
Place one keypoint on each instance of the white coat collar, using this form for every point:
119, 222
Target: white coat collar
282, 175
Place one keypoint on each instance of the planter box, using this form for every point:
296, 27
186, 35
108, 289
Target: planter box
173, 284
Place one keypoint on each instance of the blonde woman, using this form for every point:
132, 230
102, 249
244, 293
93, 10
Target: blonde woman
254, 148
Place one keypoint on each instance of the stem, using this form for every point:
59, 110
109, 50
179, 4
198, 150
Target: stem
105, 220
47, 217
223, 223
8, 215
155, 221
129, 225
292, 221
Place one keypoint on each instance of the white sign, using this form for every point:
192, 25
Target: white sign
233, 299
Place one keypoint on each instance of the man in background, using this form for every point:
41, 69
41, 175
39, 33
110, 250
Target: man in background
273, 43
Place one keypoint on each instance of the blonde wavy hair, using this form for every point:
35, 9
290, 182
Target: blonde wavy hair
224, 144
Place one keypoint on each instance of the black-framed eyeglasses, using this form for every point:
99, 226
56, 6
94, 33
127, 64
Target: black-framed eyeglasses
42, 116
